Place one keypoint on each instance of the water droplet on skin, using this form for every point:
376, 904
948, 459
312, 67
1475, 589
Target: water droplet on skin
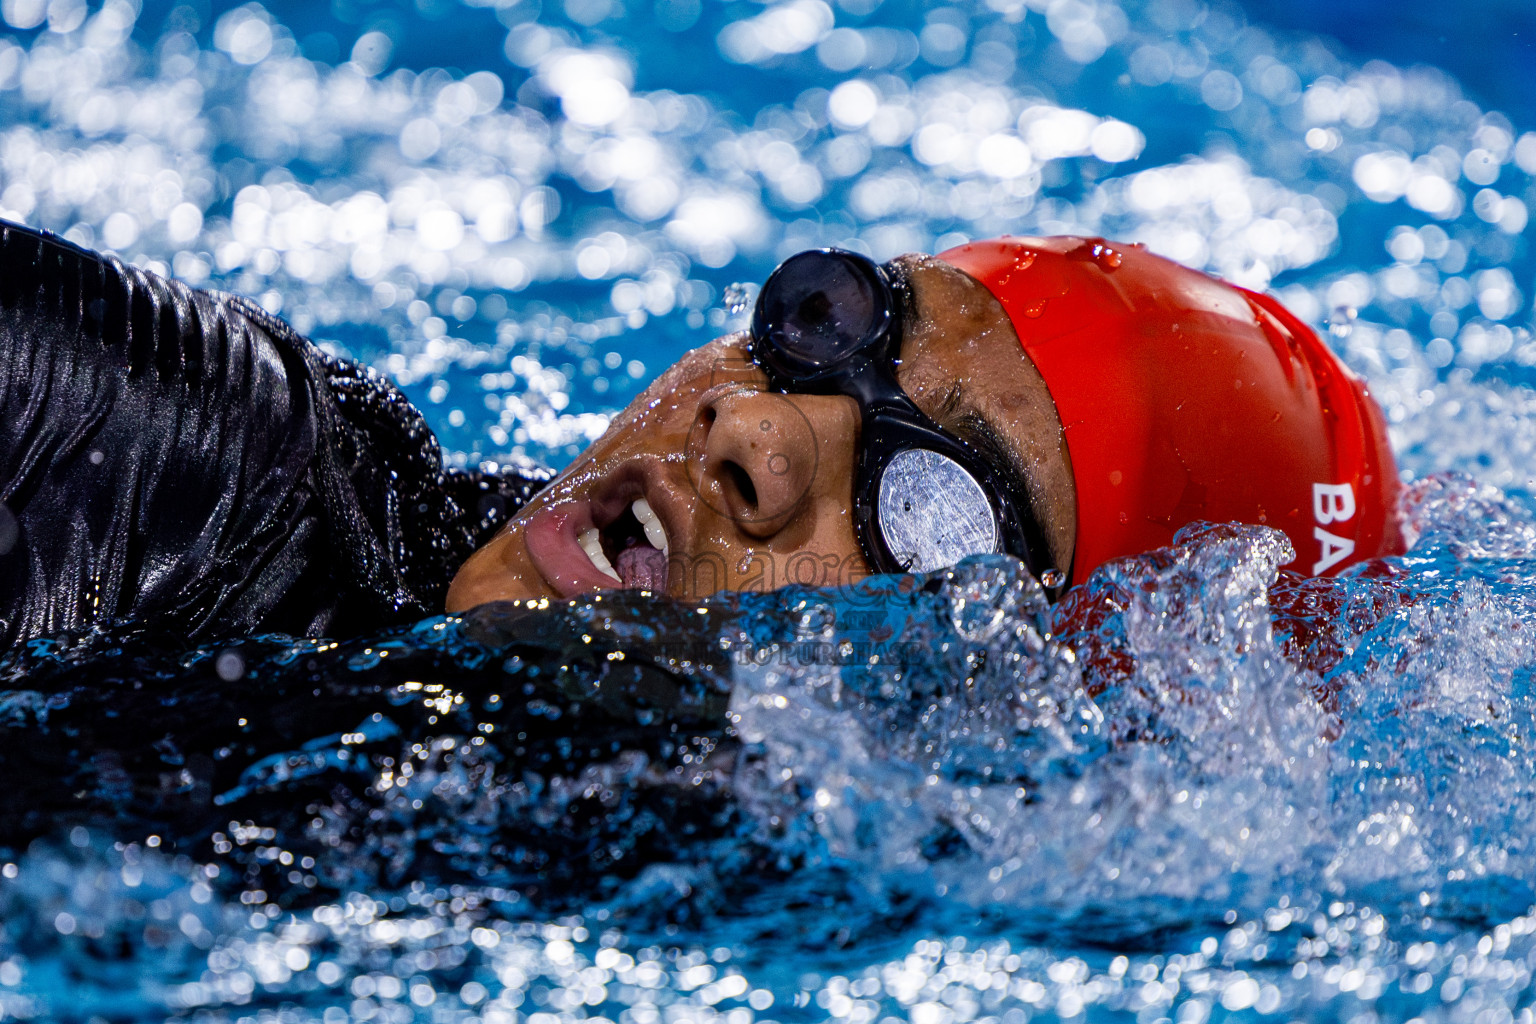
1034, 309
1106, 257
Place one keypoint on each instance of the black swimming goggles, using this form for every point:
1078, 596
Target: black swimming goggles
827, 322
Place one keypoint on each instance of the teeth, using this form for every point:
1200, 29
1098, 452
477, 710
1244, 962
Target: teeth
592, 544
652, 524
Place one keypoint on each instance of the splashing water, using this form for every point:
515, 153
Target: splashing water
1198, 786
737, 297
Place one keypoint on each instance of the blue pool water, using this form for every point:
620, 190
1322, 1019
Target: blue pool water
1197, 790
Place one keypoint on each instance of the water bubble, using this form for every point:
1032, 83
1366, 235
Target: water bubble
372, 51
737, 297
1342, 321
245, 34
229, 665
24, 14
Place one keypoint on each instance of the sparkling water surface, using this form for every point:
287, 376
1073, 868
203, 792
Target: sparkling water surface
1200, 788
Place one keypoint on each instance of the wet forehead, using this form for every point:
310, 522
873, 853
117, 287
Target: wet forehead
955, 333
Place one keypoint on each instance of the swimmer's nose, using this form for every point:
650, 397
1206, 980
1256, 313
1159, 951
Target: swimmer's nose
760, 458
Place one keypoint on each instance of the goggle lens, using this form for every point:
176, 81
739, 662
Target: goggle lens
818, 308
932, 512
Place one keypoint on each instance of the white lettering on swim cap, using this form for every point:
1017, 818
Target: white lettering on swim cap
1333, 503
1335, 550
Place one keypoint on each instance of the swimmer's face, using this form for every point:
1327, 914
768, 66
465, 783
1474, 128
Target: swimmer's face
708, 481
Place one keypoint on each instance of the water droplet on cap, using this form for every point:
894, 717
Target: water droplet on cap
1106, 257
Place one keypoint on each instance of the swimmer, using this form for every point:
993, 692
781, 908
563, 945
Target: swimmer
1064, 400
180, 458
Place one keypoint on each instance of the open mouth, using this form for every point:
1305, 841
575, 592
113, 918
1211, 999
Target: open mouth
609, 540
631, 549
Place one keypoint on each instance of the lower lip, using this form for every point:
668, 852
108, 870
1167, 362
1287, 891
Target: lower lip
551, 536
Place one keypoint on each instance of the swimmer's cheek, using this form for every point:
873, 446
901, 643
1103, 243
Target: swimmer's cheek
492, 574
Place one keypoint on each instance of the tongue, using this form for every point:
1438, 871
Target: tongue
642, 567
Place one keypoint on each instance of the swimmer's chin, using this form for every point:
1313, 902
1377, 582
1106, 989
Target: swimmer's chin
499, 571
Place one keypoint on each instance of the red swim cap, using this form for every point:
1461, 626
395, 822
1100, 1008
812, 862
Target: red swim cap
1187, 398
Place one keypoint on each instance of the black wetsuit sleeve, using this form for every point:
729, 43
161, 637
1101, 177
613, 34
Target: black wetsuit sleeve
183, 459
